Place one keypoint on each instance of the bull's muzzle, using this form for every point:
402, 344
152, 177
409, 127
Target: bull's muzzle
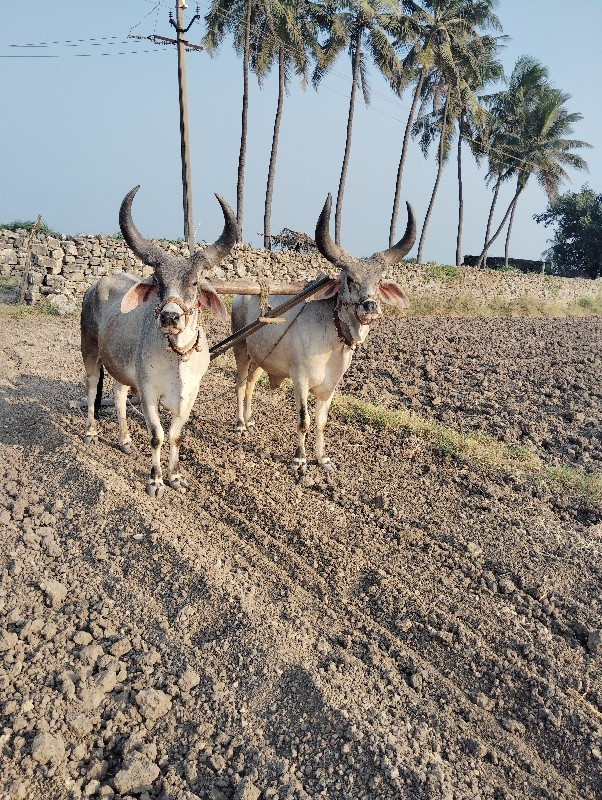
368, 311
171, 320
172, 315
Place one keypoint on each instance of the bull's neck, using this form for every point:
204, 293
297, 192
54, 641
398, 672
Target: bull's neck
185, 341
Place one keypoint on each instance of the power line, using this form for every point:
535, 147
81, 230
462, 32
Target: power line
88, 55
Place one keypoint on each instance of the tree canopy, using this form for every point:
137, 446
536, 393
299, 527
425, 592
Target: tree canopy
576, 248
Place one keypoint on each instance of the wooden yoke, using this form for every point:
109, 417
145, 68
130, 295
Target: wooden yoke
252, 287
306, 291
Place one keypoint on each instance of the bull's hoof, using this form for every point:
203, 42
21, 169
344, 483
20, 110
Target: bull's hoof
327, 465
300, 465
91, 438
126, 448
155, 488
250, 423
178, 482
240, 428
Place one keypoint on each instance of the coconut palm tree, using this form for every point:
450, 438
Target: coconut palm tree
505, 110
249, 21
290, 39
480, 69
454, 99
434, 33
537, 146
359, 26
234, 16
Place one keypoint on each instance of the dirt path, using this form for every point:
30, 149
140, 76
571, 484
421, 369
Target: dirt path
414, 628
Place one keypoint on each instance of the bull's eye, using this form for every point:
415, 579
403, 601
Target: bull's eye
194, 284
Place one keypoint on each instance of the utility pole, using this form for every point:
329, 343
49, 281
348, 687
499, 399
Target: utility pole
184, 144
182, 46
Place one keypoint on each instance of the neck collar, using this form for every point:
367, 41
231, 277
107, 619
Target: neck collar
183, 353
343, 330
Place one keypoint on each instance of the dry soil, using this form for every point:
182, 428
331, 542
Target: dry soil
414, 627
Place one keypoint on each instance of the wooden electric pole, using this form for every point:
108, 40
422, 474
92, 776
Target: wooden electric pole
182, 46
184, 145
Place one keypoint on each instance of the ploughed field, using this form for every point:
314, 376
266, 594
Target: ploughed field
417, 626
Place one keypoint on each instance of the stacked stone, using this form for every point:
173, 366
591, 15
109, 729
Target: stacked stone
62, 269
68, 266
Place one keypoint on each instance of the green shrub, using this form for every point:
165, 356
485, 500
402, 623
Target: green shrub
27, 225
440, 271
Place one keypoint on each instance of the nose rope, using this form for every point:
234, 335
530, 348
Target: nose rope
172, 299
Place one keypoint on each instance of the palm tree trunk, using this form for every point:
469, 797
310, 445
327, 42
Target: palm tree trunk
339, 208
435, 187
245, 110
502, 223
496, 191
267, 242
402, 160
460, 195
507, 248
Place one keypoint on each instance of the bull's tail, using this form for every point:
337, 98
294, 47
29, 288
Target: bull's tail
98, 398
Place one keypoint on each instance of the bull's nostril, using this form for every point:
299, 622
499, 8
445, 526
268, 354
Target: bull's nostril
169, 318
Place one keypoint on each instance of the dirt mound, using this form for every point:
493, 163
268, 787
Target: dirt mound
415, 627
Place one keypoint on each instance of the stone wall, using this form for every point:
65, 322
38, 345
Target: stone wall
62, 269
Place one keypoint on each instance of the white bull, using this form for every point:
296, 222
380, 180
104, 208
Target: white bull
148, 335
317, 345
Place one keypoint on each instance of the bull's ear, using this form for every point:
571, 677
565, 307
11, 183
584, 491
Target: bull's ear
209, 298
329, 290
390, 293
141, 292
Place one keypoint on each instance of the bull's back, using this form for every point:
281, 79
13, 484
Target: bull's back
303, 343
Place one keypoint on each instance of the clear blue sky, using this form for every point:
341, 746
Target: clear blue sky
80, 129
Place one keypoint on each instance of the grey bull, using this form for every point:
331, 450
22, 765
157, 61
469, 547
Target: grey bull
317, 345
148, 335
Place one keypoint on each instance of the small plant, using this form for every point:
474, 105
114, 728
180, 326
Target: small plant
552, 285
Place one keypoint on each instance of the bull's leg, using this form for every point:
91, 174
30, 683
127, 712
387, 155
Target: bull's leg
92, 378
301, 391
243, 364
251, 381
322, 409
155, 486
120, 394
176, 479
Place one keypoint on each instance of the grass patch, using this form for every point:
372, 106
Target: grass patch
586, 305
472, 447
20, 310
467, 305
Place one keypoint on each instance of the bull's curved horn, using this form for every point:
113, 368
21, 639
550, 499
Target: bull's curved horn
213, 254
148, 253
331, 251
404, 245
